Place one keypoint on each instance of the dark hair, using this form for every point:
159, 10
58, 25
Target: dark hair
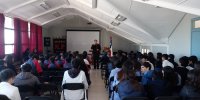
147, 65
116, 62
144, 57
165, 56
76, 63
184, 61
151, 58
194, 59
26, 68
84, 54
171, 56
35, 56
9, 59
157, 75
128, 65
159, 56
52, 59
3, 97
193, 79
197, 65
170, 76
6, 74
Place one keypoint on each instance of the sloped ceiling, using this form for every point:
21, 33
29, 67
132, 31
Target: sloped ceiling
148, 21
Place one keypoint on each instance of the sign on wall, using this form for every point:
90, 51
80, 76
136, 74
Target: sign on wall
59, 45
47, 41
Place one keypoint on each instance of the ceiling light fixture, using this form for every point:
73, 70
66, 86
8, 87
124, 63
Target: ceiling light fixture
114, 23
120, 18
45, 5
94, 3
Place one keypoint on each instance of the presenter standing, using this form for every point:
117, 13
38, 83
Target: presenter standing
96, 49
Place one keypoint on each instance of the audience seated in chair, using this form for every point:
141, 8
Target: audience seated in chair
74, 75
192, 87
147, 73
7, 77
128, 85
25, 77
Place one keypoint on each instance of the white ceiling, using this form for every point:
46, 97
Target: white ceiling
145, 22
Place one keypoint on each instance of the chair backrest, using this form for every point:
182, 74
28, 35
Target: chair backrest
168, 98
73, 86
193, 98
3, 97
135, 98
51, 88
38, 98
26, 90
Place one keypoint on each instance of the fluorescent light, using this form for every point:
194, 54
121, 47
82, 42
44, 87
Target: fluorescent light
114, 23
45, 6
94, 3
120, 18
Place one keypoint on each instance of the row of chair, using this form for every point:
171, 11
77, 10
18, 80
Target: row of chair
163, 98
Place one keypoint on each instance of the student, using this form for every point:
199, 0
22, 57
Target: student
192, 61
182, 70
157, 87
165, 61
145, 59
7, 77
172, 79
52, 64
9, 62
191, 89
74, 75
171, 59
128, 85
25, 77
147, 73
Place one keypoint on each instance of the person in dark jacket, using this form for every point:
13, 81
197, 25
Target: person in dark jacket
192, 88
157, 87
25, 77
9, 62
1, 64
128, 85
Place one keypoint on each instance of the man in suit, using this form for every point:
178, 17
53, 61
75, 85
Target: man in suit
96, 49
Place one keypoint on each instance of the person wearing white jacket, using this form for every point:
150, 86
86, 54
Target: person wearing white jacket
74, 75
7, 77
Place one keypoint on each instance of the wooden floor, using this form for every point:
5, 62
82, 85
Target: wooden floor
97, 90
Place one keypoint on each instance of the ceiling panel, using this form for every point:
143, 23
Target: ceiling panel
192, 4
172, 1
6, 4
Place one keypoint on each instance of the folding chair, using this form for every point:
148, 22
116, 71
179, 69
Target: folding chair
72, 87
38, 98
168, 98
135, 98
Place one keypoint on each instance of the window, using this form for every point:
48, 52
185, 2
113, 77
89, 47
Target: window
197, 24
29, 25
145, 51
9, 35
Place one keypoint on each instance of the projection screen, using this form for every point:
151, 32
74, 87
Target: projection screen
81, 40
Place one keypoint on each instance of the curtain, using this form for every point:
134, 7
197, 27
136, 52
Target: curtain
33, 36
39, 41
17, 39
2, 51
24, 35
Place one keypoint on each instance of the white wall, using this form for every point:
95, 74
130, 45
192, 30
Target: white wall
58, 30
180, 40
